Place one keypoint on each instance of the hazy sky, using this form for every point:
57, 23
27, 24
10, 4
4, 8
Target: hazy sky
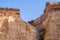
29, 9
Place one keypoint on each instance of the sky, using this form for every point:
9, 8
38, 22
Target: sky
29, 9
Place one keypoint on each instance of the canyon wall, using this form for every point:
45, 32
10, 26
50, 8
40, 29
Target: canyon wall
45, 27
49, 22
12, 27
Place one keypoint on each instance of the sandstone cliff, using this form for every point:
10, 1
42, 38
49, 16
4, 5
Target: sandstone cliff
49, 22
45, 27
12, 27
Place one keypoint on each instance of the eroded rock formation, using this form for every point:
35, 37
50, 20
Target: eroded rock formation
53, 28
12, 27
49, 22
45, 27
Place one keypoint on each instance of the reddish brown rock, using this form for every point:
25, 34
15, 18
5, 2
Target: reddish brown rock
12, 27
53, 29
45, 27
49, 21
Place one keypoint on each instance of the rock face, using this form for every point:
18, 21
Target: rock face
12, 27
53, 28
45, 27
49, 22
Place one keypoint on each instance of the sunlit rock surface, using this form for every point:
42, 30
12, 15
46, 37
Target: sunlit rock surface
49, 22
45, 27
53, 28
12, 27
